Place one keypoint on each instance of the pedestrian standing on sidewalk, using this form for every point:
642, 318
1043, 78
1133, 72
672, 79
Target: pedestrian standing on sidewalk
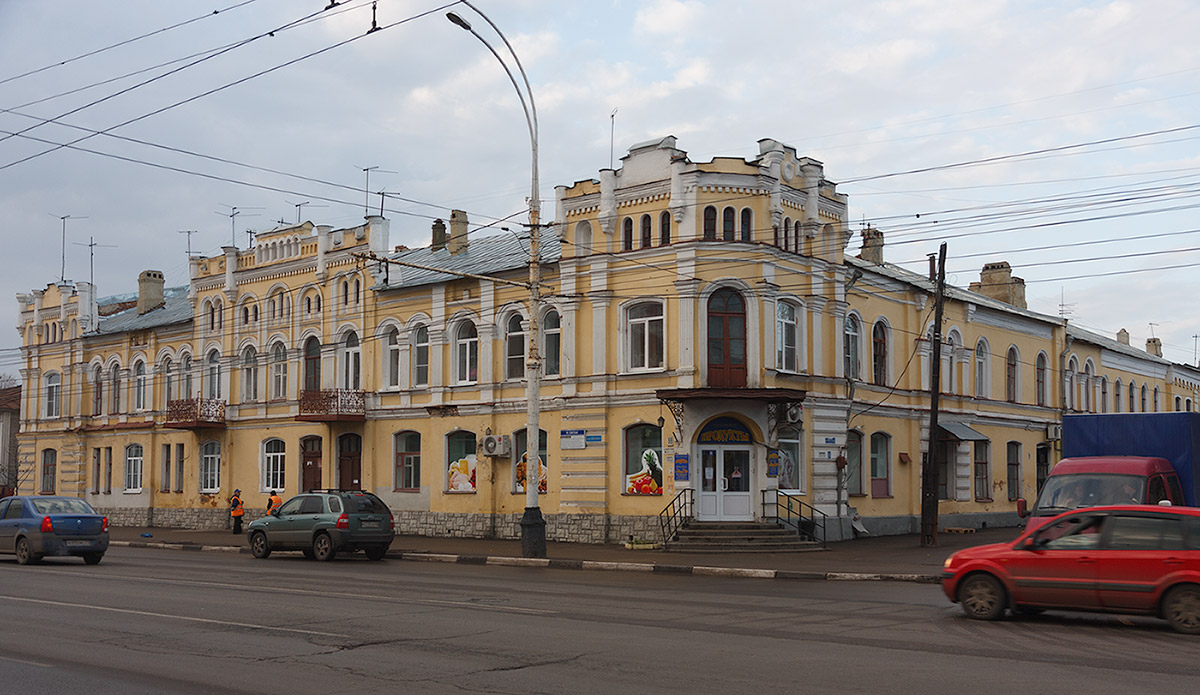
274, 501
236, 511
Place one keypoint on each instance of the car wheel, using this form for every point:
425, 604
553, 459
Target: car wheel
259, 547
93, 558
25, 554
1181, 608
322, 547
376, 552
982, 597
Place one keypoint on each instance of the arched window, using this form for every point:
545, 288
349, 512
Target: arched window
466, 354
139, 386
351, 362
210, 467
728, 224
1157, 404
274, 464
726, 339
97, 391
644, 326
950, 381
1132, 397
345, 293
647, 232
357, 291
213, 375
168, 378
249, 375
627, 234
114, 386
552, 344
279, 372
747, 225
420, 345
514, 347
643, 460
1178, 404
710, 223
1010, 376
879, 354
53, 395
1145, 393
787, 233
460, 462
133, 468
1103, 394
1117, 405
185, 376
787, 344
393, 358
850, 351
1089, 378
312, 364
1040, 378
881, 470
664, 228
981, 370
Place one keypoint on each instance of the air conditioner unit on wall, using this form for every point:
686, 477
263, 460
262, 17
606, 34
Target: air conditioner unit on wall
1053, 432
497, 445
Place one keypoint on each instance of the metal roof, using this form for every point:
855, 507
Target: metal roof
176, 309
486, 256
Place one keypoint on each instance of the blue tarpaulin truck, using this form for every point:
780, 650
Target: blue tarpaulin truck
1122, 458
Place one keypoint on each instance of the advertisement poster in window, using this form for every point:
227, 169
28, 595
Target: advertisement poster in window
648, 480
462, 474
521, 474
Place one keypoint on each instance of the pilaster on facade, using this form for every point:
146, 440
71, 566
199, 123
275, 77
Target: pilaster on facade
829, 421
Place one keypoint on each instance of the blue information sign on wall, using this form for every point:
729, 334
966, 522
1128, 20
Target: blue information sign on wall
681, 467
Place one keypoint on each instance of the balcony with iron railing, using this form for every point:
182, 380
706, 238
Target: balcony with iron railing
332, 405
195, 414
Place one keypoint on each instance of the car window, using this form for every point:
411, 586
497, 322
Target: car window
1073, 533
1144, 533
311, 505
335, 505
1158, 490
292, 506
61, 506
1176, 492
14, 510
1192, 524
364, 504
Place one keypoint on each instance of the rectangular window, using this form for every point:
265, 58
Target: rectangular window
179, 468
791, 465
1014, 470
165, 478
49, 471
96, 471
646, 336
273, 465
210, 468
785, 338
983, 482
421, 356
108, 470
880, 468
854, 472
408, 462
643, 460
133, 468
460, 462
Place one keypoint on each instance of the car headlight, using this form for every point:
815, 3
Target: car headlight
949, 561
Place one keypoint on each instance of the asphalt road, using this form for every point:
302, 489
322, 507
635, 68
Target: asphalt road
162, 621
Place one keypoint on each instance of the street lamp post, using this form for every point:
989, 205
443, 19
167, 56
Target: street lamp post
533, 524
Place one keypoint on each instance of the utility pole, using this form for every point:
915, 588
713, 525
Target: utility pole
929, 471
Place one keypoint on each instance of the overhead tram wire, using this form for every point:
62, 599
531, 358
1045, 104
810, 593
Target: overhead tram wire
207, 15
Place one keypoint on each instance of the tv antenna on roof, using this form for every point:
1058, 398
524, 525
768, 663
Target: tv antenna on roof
92, 257
189, 233
234, 211
1152, 324
64, 218
367, 186
298, 206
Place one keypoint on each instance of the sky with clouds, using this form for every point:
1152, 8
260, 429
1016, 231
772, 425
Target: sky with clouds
1059, 136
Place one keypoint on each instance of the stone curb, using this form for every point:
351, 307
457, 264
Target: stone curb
552, 563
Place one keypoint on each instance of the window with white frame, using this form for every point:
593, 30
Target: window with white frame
407, 461
168, 377
212, 376
1011, 364
514, 348
879, 354
351, 362
552, 344
53, 395
186, 387
210, 467
133, 468
393, 358
114, 386
466, 354
420, 346
787, 335
139, 386
279, 372
644, 323
1040, 369
274, 464
850, 347
97, 390
791, 460
249, 375
981, 370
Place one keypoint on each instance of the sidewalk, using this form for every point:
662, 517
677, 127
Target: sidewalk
894, 558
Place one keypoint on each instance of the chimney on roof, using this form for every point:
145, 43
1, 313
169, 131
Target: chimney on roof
872, 246
1123, 336
439, 236
150, 291
458, 232
1154, 346
997, 281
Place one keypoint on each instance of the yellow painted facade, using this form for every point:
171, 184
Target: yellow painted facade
707, 334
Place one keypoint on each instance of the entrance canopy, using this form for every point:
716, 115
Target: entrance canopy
962, 432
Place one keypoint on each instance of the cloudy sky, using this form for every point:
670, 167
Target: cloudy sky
1059, 136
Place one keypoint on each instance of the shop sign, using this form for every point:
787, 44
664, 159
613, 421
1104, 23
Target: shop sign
681, 467
725, 430
772, 463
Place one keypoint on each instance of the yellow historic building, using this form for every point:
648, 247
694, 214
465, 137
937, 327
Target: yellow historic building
708, 346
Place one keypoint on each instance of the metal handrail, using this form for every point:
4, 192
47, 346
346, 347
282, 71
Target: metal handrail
793, 512
676, 514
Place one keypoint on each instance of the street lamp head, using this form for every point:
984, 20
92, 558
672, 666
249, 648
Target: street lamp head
458, 21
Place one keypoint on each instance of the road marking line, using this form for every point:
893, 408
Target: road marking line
25, 661
173, 617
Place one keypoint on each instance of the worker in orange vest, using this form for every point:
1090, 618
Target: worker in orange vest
274, 501
236, 510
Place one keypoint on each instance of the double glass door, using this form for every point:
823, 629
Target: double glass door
725, 493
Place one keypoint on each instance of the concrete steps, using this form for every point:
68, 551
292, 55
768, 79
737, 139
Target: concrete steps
738, 537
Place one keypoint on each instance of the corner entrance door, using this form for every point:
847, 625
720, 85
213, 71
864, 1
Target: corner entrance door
310, 462
350, 462
725, 485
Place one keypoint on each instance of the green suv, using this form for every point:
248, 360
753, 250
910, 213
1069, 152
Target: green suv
322, 523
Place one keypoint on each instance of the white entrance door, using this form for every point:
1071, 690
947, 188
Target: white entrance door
725, 493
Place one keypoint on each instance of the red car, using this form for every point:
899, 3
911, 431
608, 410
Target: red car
1132, 559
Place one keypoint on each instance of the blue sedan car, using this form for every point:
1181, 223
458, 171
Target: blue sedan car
34, 526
